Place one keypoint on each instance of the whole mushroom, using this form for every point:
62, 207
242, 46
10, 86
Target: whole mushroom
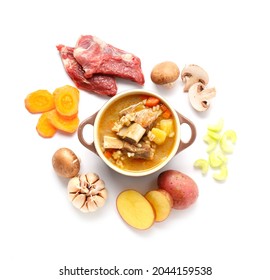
200, 97
66, 163
165, 73
192, 74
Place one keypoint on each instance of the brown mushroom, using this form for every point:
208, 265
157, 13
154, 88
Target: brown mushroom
66, 163
192, 74
87, 192
165, 73
200, 97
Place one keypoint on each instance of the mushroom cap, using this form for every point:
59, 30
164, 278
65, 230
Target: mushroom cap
192, 74
66, 163
165, 72
200, 97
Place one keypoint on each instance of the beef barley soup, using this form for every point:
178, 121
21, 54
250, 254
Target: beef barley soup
137, 132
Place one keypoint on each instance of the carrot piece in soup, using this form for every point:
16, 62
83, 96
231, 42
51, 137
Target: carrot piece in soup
166, 112
108, 154
152, 101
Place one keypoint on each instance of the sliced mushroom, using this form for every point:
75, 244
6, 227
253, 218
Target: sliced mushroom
192, 74
200, 97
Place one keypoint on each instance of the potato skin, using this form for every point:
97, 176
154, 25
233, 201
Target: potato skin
181, 187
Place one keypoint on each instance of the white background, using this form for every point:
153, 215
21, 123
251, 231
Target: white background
227, 229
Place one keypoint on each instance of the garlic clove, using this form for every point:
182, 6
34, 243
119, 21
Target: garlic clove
92, 206
100, 201
74, 185
71, 196
85, 209
103, 193
98, 186
79, 201
92, 178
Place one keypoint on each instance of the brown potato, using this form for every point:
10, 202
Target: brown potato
182, 188
166, 72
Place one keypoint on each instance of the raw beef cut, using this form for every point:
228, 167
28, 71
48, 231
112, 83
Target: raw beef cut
100, 84
96, 56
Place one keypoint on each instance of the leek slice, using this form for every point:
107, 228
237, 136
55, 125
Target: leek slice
202, 164
218, 126
222, 174
217, 158
212, 143
227, 140
215, 135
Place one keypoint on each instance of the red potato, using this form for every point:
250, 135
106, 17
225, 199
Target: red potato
182, 188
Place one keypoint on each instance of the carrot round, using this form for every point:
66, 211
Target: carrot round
44, 127
63, 124
67, 88
66, 101
39, 101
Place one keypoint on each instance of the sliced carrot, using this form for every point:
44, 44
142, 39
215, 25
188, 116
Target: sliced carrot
44, 127
63, 124
152, 101
39, 101
66, 101
67, 88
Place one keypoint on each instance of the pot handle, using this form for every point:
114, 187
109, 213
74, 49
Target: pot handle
184, 145
90, 120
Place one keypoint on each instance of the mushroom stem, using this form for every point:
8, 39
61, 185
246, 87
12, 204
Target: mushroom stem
189, 81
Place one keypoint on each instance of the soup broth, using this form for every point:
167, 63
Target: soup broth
131, 132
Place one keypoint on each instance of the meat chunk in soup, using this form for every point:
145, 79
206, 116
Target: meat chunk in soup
112, 143
133, 133
142, 151
147, 117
